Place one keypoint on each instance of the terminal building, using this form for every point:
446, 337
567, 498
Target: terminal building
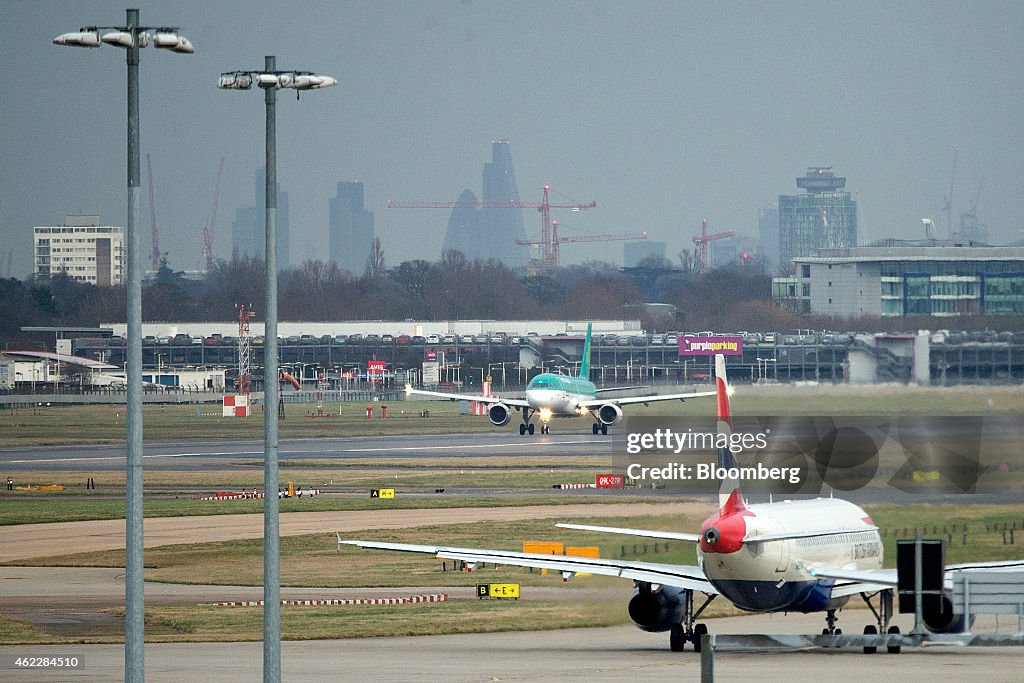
902, 279
82, 249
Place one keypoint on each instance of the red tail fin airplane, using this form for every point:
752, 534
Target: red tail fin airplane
791, 556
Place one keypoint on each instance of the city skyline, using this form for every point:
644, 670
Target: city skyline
664, 114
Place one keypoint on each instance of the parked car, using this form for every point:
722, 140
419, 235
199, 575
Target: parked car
403, 339
372, 339
433, 339
449, 339
340, 338
387, 339
419, 339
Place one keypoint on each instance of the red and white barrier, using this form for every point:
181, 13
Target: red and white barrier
480, 407
574, 486
236, 405
223, 495
435, 597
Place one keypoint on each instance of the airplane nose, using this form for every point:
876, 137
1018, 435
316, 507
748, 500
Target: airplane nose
712, 535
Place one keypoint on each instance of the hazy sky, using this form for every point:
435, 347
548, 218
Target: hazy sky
663, 112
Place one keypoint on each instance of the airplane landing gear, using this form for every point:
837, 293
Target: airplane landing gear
882, 616
830, 619
545, 428
600, 428
527, 426
690, 631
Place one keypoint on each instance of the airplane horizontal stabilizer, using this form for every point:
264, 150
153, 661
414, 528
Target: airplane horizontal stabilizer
645, 533
785, 536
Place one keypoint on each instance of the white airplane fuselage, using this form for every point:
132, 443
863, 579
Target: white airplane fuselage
775, 575
558, 395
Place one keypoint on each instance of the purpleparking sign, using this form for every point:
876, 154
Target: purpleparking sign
709, 346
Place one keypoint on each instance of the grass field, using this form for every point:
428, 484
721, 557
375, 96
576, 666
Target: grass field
57, 425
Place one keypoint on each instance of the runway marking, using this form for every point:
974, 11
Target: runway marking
325, 453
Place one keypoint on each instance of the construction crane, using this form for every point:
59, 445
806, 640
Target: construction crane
208, 230
549, 248
155, 255
704, 240
947, 206
555, 258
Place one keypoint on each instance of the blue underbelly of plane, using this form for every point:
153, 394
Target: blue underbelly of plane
766, 596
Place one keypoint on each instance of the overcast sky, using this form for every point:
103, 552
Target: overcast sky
662, 112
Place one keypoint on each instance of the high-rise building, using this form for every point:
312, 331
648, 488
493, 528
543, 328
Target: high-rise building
825, 217
768, 235
490, 232
351, 228
463, 232
248, 230
502, 227
82, 249
635, 252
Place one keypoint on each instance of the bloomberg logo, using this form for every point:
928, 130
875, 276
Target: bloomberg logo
709, 346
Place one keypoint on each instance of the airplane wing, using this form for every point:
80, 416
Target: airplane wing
682, 576
601, 391
886, 578
645, 533
650, 398
516, 402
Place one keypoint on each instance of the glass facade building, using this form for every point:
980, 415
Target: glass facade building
906, 281
825, 217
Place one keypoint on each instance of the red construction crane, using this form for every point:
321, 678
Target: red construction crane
555, 258
155, 255
705, 239
208, 230
549, 248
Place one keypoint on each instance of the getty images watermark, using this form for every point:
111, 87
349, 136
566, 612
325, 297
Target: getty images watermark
815, 454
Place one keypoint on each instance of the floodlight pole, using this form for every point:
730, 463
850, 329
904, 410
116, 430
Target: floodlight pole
271, 396
134, 582
270, 79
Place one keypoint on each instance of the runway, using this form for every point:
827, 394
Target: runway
198, 455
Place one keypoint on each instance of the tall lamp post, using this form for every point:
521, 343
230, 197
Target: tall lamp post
131, 37
271, 80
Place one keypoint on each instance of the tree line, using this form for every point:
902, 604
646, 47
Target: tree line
730, 298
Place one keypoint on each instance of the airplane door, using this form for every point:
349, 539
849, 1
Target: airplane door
779, 549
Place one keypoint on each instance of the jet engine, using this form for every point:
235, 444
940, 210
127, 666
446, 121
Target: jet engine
609, 414
941, 619
656, 611
499, 414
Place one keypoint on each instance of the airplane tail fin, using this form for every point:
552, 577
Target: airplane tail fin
585, 364
730, 498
